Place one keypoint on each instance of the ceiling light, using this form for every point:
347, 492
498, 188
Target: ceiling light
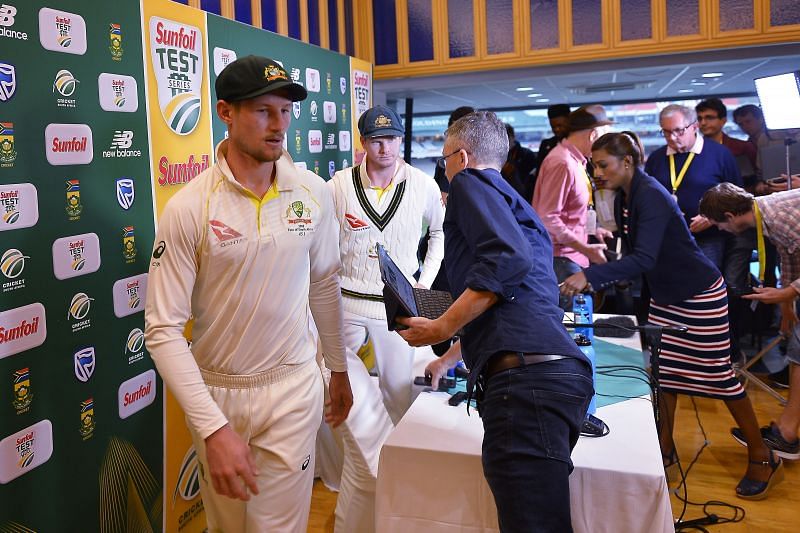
542, 99
698, 83
712, 75
534, 95
522, 89
686, 91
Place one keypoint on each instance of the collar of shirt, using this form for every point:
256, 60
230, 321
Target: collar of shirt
573, 151
697, 147
399, 174
285, 171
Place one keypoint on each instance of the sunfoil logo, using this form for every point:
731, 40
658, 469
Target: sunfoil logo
176, 55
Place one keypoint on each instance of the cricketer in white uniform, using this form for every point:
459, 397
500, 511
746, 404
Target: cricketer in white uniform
382, 201
248, 248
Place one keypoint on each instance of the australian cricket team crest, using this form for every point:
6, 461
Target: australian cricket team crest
298, 218
74, 207
87, 419
275, 72
115, 41
126, 193
176, 55
22, 391
7, 152
128, 244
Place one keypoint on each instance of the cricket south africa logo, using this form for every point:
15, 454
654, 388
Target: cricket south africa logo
177, 59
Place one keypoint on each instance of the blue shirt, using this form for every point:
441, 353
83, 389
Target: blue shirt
494, 241
660, 247
714, 164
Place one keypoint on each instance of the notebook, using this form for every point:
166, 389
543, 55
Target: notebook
403, 299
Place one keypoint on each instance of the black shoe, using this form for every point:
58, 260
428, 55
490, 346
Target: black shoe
780, 378
774, 440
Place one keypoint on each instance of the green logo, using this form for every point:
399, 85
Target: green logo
297, 207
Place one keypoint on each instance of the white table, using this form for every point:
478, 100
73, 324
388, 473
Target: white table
430, 477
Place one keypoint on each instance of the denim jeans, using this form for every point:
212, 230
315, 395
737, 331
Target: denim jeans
532, 417
564, 268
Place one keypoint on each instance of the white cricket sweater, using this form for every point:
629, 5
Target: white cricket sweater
397, 221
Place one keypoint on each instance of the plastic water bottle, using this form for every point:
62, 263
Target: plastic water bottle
582, 314
585, 345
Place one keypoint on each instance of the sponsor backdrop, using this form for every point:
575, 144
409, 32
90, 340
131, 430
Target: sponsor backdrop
105, 111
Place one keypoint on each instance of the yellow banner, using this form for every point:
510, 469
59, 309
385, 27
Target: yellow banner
180, 132
361, 100
177, 94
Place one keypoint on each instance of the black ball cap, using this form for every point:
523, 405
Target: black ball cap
252, 76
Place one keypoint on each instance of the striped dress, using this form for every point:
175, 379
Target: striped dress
697, 362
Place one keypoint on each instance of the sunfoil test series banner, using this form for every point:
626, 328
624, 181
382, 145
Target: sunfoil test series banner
105, 112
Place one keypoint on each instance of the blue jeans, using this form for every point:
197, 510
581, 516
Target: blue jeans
532, 417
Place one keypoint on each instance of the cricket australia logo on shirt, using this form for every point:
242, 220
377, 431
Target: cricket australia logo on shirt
177, 59
298, 218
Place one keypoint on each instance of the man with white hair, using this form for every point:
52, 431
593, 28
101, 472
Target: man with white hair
498, 260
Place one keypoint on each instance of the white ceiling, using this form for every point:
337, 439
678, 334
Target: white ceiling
664, 77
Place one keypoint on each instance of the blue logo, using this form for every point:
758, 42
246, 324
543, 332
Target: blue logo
84, 363
8, 81
331, 168
125, 193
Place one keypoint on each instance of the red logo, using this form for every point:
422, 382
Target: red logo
355, 223
223, 231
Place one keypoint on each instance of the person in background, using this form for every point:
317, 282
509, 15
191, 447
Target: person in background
519, 166
558, 116
712, 115
533, 383
384, 200
775, 217
563, 197
248, 248
687, 290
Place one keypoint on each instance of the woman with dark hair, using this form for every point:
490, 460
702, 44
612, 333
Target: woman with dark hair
687, 290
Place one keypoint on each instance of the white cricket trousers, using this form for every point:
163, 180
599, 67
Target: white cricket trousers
278, 413
375, 406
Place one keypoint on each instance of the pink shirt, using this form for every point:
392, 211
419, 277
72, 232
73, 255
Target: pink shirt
561, 199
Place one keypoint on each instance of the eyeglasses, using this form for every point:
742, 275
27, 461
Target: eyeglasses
677, 132
441, 161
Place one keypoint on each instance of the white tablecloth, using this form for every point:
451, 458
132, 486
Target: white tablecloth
430, 477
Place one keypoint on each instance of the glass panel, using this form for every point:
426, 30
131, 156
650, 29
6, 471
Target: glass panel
293, 17
783, 12
420, 30
636, 20
349, 29
683, 17
735, 15
313, 22
544, 24
333, 24
460, 28
499, 26
269, 17
212, 6
587, 22
243, 11
386, 39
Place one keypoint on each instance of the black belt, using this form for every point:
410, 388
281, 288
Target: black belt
505, 360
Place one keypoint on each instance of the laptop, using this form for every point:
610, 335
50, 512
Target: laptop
403, 299
773, 160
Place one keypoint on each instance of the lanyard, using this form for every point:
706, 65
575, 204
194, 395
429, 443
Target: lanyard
588, 186
762, 254
676, 181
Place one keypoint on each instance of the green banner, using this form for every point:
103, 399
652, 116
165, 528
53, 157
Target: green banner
80, 404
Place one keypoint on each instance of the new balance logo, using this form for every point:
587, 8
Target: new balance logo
122, 140
226, 234
7, 13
